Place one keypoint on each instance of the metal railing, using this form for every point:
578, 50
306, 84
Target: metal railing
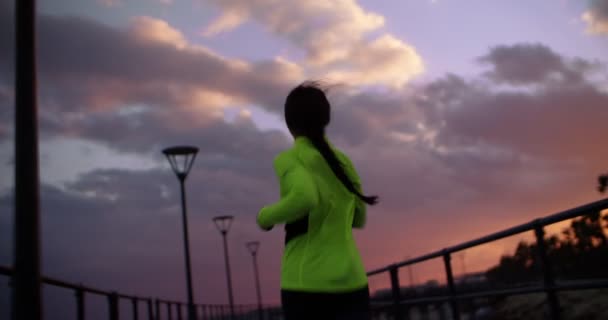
155, 309
549, 286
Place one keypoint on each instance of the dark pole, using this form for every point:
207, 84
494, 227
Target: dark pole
113, 306
80, 304
464, 268
253, 246
181, 159
134, 301
228, 277
547, 272
157, 309
26, 296
257, 285
396, 292
451, 287
150, 310
409, 268
411, 275
191, 308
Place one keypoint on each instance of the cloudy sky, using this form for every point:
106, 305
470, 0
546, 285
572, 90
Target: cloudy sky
465, 118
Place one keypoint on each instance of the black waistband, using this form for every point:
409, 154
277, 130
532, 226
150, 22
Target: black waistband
296, 228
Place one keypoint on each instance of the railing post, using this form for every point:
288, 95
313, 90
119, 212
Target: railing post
441, 311
80, 304
451, 288
169, 315
134, 301
179, 311
203, 312
150, 309
547, 271
113, 305
396, 292
157, 307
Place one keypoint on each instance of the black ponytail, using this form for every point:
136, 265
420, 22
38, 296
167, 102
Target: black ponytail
334, 163
307, 112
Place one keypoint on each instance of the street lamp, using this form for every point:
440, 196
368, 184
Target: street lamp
223, 225
253, 246
181, 159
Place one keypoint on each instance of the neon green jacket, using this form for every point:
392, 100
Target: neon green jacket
325, 259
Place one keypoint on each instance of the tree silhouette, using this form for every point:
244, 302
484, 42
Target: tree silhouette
581, 252
602, 183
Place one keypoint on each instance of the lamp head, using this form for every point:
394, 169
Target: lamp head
253, 246
223, 223
181, 159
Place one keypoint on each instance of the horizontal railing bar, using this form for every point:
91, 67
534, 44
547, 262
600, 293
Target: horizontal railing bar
489, 293
581, 285
63, 284
8, 271
575, 212
444, 298
545, 221
434, 299
381, 304
493, 237
501, 292
572, 285
551, 219
423, 258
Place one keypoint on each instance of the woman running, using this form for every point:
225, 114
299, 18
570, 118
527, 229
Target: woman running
322, 275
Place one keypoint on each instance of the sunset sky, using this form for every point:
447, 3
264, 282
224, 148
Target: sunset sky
465, 117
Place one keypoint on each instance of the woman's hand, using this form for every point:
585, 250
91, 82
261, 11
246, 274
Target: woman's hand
267, 229
261, 225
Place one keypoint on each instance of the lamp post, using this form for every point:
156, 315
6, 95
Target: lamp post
223, 225
181, 159
253, 247
26, 297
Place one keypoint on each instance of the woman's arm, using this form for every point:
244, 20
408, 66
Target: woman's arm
300, 197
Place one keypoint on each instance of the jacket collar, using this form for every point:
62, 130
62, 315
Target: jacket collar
305, 141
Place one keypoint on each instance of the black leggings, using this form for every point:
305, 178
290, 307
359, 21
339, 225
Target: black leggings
299, 305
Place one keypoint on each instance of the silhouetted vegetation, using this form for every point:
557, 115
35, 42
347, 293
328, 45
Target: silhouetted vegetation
580, 253
602, 183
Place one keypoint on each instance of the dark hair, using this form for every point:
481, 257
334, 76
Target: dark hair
307, 113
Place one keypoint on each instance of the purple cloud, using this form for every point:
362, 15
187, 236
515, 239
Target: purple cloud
458, 156
525, 64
